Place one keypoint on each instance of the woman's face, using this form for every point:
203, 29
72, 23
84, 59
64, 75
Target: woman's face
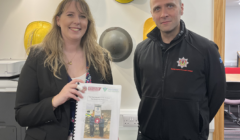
73, 22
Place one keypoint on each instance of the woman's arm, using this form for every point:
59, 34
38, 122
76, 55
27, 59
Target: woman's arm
29, 109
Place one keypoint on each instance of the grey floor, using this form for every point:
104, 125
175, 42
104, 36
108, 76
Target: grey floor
231, 129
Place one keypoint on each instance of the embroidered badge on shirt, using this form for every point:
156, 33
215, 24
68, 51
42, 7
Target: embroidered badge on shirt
182, 62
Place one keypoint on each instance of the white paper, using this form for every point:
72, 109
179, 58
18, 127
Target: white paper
101, 103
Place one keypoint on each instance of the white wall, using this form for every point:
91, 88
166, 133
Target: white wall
232, 35
15, 15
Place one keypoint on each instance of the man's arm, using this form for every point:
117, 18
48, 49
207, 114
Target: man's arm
216, 82
137, 73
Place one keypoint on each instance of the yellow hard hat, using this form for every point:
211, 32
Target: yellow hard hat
124, 1
35, 33
149, 25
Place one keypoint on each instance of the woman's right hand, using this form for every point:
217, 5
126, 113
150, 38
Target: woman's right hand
68, 91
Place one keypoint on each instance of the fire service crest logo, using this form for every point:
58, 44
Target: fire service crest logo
182, 62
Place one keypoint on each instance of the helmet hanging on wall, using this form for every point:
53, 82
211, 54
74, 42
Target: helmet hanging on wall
35, 33
149, 25
118, 42
124, 1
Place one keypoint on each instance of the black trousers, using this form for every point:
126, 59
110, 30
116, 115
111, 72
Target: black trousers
91, 130
101, 131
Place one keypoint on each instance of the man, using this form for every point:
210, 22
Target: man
179, 76
101, 126
91, 123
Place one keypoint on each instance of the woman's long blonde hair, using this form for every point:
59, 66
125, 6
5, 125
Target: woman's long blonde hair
53, 44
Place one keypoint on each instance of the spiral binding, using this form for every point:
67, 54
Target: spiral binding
87, 80
74, 122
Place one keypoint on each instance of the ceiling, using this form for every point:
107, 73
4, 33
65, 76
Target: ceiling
232, 2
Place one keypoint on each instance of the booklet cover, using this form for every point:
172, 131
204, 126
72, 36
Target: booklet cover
97, 114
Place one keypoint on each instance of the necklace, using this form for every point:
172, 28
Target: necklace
70, 62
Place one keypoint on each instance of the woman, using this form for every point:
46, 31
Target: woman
46, 93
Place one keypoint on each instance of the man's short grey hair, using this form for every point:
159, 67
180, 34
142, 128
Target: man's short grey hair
180, 2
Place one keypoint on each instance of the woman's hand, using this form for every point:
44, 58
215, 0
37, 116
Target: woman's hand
68, 91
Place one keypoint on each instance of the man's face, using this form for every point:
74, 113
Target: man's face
166, 14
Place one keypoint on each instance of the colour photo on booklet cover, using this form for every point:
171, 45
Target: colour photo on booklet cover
97, 121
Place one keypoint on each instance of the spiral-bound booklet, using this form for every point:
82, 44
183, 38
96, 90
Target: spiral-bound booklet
97, 114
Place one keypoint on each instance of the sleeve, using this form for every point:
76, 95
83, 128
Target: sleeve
29, 109
216, 81
136, 70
